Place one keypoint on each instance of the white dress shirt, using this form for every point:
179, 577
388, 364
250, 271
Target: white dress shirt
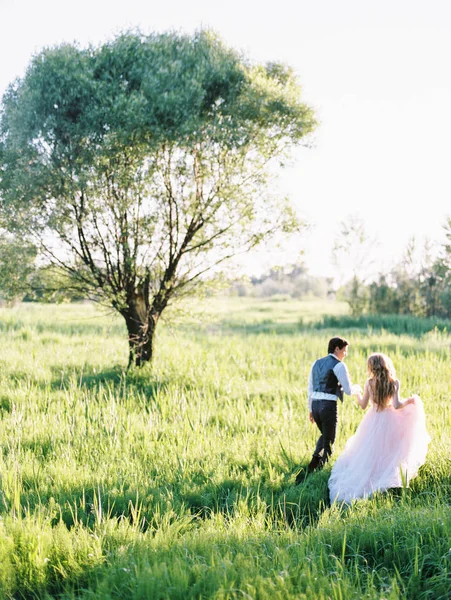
342, 374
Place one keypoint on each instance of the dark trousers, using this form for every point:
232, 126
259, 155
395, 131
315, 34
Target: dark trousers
325, 413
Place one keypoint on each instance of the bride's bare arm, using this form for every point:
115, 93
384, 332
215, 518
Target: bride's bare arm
363, 400
397, 403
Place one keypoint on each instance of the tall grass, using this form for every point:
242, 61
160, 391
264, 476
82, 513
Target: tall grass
178, 481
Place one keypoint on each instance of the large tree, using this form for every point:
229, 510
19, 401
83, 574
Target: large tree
141, 165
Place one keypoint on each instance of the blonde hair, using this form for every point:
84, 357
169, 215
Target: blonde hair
382, 378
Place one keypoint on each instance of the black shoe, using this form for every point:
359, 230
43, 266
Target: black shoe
315, 463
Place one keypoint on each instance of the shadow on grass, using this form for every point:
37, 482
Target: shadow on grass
172, 563
167, 511
116, 378
282, 504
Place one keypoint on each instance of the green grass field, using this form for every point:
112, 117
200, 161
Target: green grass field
177, 481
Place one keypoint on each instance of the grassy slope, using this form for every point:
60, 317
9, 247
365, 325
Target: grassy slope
178, 482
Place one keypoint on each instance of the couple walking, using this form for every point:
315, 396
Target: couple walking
390, 443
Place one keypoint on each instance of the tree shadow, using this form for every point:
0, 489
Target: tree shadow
117, 378
91, 377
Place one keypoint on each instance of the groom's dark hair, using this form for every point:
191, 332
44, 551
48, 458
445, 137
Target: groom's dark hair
337, 341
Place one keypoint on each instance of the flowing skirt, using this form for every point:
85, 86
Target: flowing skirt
385, 452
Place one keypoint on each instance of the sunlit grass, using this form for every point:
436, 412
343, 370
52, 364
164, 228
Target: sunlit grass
178, 481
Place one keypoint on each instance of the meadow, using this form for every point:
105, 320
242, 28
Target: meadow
177, 481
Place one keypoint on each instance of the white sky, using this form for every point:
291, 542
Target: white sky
376, 71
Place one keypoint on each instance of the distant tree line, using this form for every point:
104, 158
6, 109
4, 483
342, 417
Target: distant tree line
291, 280
419, 288
422, 289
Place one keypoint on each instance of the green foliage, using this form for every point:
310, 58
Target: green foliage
355, 292
179, 483
52, 284
16, 267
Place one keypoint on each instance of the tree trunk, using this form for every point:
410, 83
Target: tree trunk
140, 339
141, 321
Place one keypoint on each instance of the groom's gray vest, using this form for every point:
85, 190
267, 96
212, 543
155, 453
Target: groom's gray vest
324, 378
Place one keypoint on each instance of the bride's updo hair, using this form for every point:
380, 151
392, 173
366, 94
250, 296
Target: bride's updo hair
382, 378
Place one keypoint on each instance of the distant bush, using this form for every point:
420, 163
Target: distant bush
397, 324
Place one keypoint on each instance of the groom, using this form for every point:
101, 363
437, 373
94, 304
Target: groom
328, 379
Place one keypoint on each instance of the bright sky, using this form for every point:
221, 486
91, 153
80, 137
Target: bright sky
376, 71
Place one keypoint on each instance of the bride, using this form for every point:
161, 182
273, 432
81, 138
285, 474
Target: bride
390, 443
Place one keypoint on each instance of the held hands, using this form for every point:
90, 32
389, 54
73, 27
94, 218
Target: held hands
312, 420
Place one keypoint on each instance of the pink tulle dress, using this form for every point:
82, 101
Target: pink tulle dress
385, 452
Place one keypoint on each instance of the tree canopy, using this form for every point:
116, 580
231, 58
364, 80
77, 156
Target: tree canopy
139, 166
